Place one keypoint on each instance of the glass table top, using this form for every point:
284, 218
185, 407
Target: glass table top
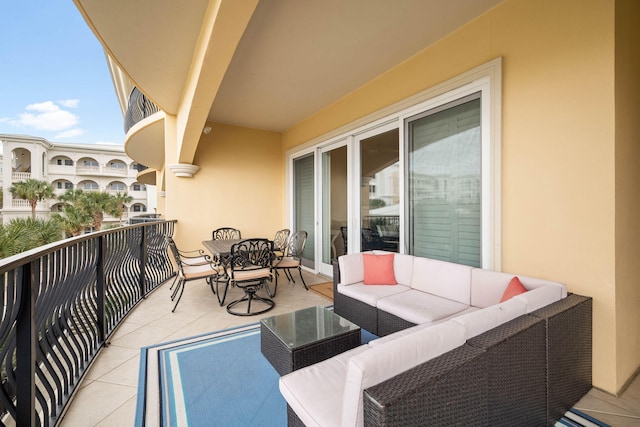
307, 326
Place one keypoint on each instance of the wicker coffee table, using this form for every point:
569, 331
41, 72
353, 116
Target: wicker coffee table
294, 340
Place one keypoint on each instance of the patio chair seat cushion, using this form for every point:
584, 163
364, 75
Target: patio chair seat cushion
286, 262
247, 275
200, 270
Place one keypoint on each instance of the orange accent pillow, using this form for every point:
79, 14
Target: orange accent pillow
514, 288
378, 269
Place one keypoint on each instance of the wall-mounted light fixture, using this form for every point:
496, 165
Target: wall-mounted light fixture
206, 130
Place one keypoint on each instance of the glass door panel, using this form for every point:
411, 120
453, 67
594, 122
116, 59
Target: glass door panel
380, 191
444, 183
303, 205
334, 206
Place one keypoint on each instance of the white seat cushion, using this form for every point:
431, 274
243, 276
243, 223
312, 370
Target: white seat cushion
385, 361
444, 279
418, 307
370, 294
481, 321
315, 392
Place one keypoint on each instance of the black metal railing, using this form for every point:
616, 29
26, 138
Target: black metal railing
60, 303
139, 107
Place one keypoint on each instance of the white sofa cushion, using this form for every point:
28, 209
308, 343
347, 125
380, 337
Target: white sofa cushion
539, 297
382, 362
351, 268
418, 307
488, 286
403, 268
412, 329
370, 294
441, 278
480, 321
312, 390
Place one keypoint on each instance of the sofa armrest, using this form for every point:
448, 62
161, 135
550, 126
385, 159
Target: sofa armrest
450, 389
569, 352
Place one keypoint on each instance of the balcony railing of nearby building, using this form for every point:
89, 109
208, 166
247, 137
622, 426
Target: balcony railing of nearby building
60, 304
140, 107
20, 176
20, 203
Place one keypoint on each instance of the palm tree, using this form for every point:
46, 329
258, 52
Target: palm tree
121, 200
34, 191
22, 234
100, 203
88, 208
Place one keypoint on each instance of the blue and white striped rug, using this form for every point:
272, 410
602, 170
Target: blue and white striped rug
222, 379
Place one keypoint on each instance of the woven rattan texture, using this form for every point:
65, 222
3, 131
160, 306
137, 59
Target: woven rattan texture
389, 323
569, 346
284, 360
448, 390
292, 418
516, 360
363, 315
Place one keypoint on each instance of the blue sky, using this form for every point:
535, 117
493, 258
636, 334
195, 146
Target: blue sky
54, 80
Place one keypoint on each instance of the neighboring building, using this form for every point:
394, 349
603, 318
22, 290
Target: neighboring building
90, 167
262, 108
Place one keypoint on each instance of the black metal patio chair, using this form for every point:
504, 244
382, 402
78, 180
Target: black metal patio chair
191, 267
292, 259
249, 268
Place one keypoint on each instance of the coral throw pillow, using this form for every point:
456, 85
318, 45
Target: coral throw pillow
514, 288
378, 269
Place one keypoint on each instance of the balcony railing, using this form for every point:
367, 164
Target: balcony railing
140, 107
20, 176
60, 304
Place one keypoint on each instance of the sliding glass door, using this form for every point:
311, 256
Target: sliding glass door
333, 206
303, 205
380, 189
444, 185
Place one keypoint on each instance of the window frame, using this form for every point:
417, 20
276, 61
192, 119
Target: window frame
486, 79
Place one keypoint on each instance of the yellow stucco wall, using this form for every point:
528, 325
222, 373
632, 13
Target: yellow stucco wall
240, 184
627, 187
558, 145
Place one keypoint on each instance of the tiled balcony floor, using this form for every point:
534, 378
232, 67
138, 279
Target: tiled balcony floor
107, 395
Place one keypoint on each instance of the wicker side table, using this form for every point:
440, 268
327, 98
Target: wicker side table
294, 340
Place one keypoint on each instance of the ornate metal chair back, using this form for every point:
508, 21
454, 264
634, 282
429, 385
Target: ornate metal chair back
226, 233
280, 239
295, 245
251, 254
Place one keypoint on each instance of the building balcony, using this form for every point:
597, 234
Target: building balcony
88, 170
140, 107
116, 285
20, 176
111, 171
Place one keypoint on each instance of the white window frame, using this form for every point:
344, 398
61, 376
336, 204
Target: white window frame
487, 79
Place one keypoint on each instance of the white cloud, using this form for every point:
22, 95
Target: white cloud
69, 134
69, 103
46, 116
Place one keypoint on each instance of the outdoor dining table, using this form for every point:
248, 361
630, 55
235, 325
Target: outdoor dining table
220, 249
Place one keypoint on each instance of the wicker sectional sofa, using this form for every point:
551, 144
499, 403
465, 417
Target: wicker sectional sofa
524, 361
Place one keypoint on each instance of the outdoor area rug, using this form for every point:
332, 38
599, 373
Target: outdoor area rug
222, 379
216, 379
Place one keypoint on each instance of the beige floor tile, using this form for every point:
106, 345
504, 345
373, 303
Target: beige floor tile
95, 402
